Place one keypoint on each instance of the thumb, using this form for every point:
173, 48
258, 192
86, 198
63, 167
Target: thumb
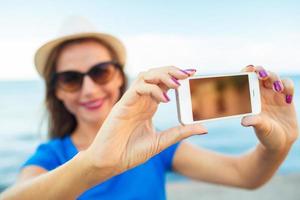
260, 124
176, 134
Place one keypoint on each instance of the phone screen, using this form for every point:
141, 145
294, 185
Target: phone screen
214, 97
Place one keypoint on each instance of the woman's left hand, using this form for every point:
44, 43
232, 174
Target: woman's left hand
276, 126
127, 137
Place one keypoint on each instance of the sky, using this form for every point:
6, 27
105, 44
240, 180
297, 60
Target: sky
212, 36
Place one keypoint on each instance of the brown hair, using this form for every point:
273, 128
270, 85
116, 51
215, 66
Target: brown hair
60, 121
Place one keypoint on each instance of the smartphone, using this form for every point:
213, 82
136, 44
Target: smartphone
213, 97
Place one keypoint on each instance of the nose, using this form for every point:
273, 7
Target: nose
89, 87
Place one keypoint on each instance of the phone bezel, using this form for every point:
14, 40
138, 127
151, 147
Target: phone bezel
183, 98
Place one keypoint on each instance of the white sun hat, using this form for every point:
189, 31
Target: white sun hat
77, 28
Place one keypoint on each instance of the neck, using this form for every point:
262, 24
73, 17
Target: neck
84, 134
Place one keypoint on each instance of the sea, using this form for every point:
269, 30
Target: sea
23, 126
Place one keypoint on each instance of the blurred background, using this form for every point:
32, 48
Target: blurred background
212, 36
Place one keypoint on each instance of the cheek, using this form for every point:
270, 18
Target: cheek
114, 93
69, 100
114, 87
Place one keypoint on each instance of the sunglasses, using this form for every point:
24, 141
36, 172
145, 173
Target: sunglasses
71, 81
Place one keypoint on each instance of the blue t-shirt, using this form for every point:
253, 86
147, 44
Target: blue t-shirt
146, 181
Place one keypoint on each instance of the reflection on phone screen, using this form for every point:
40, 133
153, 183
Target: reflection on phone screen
220, 97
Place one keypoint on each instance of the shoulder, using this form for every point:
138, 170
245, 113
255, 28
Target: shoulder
49, 154
55, 145
167, 155
52, 147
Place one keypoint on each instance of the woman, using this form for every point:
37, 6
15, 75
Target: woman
102, 148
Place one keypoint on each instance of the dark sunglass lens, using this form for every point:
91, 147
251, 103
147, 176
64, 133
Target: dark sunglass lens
69, 81
102, 73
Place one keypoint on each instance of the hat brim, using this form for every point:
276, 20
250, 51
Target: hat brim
43, 53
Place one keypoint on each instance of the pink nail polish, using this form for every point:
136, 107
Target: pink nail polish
277, 86
175, 81
263, 73
190, 70
185, 72
166, 97
289, 98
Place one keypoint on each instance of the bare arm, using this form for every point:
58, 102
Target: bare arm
276, 128
126, 139
65, 182
250, 170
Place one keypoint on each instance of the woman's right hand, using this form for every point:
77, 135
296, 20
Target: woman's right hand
127, 137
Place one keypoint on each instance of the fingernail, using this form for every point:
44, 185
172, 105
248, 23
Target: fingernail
250, 68
277, 86
175, 81
166, 97
263, 73
188, 71
185, 72
289, 98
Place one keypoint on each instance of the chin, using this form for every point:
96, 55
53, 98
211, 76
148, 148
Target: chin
94, 117
93, 120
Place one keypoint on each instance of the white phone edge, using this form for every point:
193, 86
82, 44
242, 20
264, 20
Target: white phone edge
183, 98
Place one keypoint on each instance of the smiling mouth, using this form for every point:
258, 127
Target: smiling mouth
93, 104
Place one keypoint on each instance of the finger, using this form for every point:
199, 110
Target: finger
177, 72
157, 75
269, 79
173, 135
261, 72
181, 73
263, 128
288, 90
273, 82
153, 91
162, 78
258, 122
249, 68
163, 87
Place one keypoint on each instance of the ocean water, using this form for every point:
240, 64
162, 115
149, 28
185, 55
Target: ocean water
22, 129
